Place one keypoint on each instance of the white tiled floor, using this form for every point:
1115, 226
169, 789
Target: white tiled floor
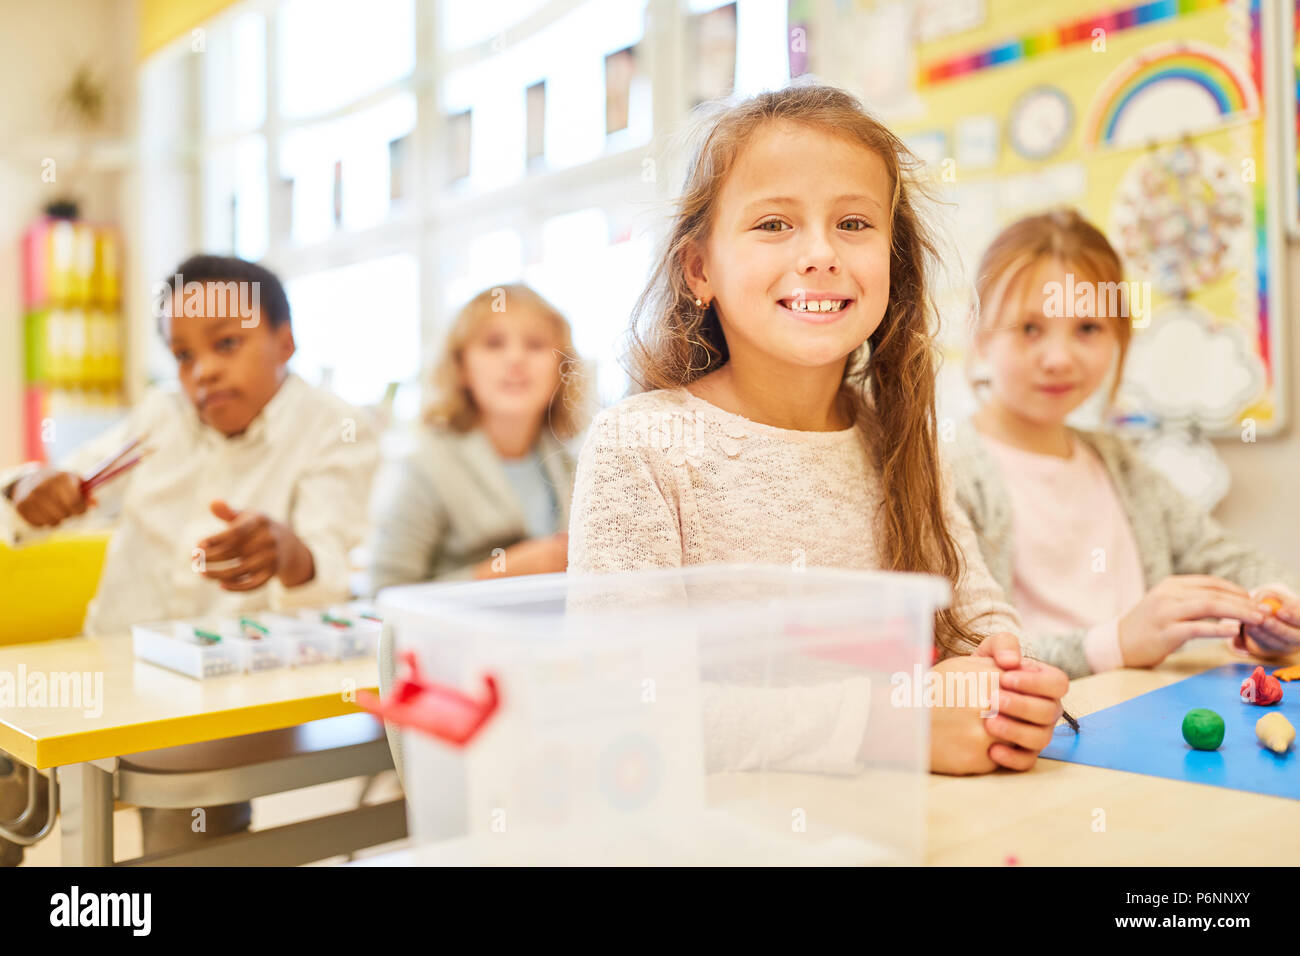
275, 810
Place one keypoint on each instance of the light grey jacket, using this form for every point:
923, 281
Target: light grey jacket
1174, 535
451, 504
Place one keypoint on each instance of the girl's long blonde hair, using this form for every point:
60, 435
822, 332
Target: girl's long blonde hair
1062, 235
451, 405
889, 382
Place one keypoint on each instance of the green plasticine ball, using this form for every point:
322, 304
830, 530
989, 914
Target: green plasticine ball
1203, 729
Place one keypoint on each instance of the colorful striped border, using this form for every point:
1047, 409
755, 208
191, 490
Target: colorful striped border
1263, 305
1031, 45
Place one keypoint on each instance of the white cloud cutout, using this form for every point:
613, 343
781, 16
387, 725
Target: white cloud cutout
1185, 371
1192, 464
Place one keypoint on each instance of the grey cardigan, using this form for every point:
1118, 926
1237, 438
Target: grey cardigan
1174, 535
451, 504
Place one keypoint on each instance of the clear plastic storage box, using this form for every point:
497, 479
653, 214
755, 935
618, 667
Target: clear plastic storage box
710, 715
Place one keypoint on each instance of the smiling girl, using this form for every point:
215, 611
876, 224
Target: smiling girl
1108, 563
784, 342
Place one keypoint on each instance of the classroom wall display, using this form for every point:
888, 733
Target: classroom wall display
882, 53
1041, 121
1157, 120
799, 15
1191, 463
1289, 36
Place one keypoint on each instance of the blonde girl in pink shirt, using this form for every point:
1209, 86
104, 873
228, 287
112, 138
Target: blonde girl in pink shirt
784, 347
1107, 562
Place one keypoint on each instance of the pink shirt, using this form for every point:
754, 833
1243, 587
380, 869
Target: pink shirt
1076, 563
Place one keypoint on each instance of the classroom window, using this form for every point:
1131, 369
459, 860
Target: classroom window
736, 47
338, 173
358, 327
235, 197
484, 262
234, 81
465, 24
332, 52
595, 284
321, 183
569, 57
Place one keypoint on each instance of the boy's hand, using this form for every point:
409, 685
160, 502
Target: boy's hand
260, 549
46, 497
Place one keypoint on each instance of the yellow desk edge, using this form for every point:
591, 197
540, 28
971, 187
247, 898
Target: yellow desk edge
62, 750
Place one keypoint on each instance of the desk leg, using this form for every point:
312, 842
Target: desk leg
86, 815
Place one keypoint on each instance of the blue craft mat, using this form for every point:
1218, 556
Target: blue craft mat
1145, 735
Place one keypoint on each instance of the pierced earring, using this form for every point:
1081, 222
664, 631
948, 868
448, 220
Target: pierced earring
698, 303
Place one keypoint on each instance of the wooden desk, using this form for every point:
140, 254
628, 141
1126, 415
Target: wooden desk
1047, 816
145, 707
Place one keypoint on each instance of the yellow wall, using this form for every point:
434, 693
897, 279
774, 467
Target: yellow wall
162, 21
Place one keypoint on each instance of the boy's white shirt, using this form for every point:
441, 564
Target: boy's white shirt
307, 459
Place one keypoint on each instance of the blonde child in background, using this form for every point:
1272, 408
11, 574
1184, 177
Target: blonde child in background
486, 491
253, 494
784, 339
1046, 499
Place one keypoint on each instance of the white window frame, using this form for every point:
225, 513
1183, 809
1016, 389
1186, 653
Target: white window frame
433, 218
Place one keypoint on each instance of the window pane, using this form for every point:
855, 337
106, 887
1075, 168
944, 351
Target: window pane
485, 262
347, 159
358, 327
234, 75
595, 285
762, 47
335, 51
758, 48
462, 24
234, 199
570, 56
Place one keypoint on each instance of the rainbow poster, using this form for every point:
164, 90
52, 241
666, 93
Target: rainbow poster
1194, 84
1153, 120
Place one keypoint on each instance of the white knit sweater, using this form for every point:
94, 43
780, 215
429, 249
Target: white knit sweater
667, 479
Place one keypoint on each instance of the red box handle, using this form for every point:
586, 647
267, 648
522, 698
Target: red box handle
442, 712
